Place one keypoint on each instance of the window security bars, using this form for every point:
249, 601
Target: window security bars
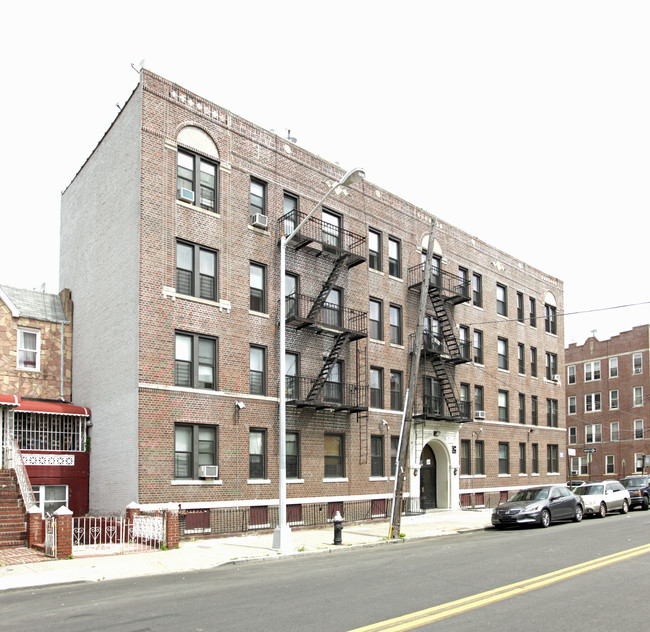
56, 433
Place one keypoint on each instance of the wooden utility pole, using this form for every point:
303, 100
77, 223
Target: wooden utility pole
402, 460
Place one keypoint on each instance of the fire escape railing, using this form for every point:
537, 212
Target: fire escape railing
451, 287
300, 313
336, 395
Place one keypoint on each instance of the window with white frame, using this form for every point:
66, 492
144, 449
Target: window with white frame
613, 367
637, 363
610, 467
638, 428
573, 434
29, 349
614, 431
571, 374
592, 402
49, 498
592, 371
638, 395
579, 466
613, 400
638, 462
593, 433
572, 407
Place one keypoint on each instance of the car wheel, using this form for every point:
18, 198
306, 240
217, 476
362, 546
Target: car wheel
645, 504
545, 518
602, 510
579, 513
625, 508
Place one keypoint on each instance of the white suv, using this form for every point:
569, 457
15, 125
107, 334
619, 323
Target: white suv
599, 498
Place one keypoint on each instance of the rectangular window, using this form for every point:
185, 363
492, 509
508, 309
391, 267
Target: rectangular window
593, 433
522, 408
551, 366
394, 443
257, 198
374, 249
195, 361
579, 466
573, 435
504, 413
478, 347
290, 212
502, 300
465, 404
550, 319
592, 371
376, 387
463, 282
331, 229
293, 454
638, 396
502, 353
552, 459
333, 388
292, 294
520, 307
257, 288
196, 177
638, 428
396, 390
394, 257
592, 402
572, 406
533, 362
571, 374
49, 498
29, 349
375, 318
610, 467
257, 454
521, 359
465, 458
376, 455
534, 410
639, 462
334, 451
522, 458
613, 400
504, 458
637, 363
395, 325
552, 413
534, 458
614, 431
257, 374
196, 271
532, 311
613, 367
479, 458
332, 311
477, 290
291, 376
479, 398
195, 445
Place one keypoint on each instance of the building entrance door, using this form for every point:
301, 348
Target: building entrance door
428, 498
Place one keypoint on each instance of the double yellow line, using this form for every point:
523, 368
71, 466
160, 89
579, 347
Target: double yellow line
436, 613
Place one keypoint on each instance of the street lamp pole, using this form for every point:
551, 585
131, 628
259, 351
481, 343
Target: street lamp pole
282, 533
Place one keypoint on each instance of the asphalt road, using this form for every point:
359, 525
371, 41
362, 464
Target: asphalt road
350, 589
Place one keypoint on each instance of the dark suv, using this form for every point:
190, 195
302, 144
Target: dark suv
639, 487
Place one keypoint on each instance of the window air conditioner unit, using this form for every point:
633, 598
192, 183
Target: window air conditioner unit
209, 471
637, 370
479, 414
187, 195
259, 220
556, 378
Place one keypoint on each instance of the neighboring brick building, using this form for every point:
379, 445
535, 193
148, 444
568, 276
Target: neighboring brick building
607, 387
169, 244
39, 425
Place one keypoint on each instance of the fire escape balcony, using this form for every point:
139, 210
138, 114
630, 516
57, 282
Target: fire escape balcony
435, 408
338, 396
319, 238
301, 313
451, 288
435, 346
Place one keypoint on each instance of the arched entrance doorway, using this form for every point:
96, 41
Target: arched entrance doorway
428, 495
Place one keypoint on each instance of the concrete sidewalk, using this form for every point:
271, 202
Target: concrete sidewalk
207, 553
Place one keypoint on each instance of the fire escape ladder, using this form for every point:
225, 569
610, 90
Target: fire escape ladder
330, 360
446, 380
327, 286
445, 322
362, 415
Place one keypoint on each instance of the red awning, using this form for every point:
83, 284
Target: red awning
44, 406
9, 400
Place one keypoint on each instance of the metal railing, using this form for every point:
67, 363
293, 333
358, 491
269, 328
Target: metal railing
117, 535
450, 285
333, 394
330, 315
15, 461
52, 433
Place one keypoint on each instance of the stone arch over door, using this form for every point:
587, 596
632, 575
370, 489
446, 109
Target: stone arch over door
435, 483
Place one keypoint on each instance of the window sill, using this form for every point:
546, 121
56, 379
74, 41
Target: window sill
196, 482
535, 474
395, 345
258, 481
377, 341
295, 481
377, 272
377, 478
504, 476
394, 278
259, 231
193, 207
552, 473
260, 314
336, 480
170, 292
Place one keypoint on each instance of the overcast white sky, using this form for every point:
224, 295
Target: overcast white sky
525, 123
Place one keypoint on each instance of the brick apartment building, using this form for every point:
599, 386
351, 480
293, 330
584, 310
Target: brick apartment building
607, 387
170, 246
42, 432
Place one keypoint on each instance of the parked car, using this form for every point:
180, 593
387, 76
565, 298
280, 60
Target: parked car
572, 484
539, 505
639, 487
599, 498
